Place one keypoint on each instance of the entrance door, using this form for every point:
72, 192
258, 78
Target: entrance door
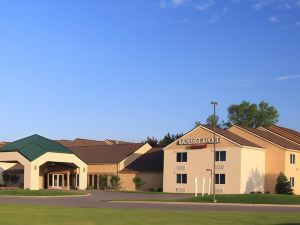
57, 181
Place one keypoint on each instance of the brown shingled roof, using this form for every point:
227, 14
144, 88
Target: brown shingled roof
151, 161
105, 153
87, 142
273, 138
235, 138
285, 132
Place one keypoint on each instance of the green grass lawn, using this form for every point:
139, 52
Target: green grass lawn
21, 192
36, 215
249, 198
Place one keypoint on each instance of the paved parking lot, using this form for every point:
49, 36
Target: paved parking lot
101, 199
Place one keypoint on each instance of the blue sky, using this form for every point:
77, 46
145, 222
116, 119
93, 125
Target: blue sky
131, 69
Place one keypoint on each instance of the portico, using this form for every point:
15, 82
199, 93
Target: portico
47, 164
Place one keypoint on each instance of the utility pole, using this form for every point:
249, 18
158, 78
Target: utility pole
214, 168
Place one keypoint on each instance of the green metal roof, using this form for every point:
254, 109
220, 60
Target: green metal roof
34, 146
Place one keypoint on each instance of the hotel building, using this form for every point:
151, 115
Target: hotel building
40, 163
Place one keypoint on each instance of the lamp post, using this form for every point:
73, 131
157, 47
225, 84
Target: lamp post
214, 168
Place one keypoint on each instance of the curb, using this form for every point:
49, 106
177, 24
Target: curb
208, 204
57, 196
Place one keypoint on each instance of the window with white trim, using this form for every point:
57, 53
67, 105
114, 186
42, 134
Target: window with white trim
292, 159
292, 181
220, 156
181, 178
181, 157
220, 178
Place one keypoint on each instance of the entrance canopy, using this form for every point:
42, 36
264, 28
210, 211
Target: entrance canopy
34, 151
34, 146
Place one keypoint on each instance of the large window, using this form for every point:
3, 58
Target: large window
181, 157
292, 181
181, 179
220, 156
292, 158
220, 178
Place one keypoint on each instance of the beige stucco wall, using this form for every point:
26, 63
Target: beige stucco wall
152, 180
198, 161
252, 170
293, 170
58, 157
102, 169
274, 157
15, 156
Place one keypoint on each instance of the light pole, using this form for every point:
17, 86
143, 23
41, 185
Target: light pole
214, 169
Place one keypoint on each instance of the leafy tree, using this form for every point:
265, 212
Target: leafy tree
252, 115
283, 186
213, 119
115, 182
103, 182
139, 183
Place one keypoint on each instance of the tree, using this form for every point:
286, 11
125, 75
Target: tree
168, 139
152, 141
283, 186
139, 183
103, 182
213, 119
115, 182
252, 115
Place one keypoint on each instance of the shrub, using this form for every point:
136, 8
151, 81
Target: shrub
115, 182
258, 192
153, 189
159, 189
267, 192
252, 192
103, 182
139, 183
283, 186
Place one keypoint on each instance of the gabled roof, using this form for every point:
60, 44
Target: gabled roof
151, 161
235, 138
34, 146
105, 153
284, 132
225, 134
284, 143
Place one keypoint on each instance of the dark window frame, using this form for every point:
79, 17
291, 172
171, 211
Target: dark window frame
221, 156
220, 178
181, 157
181, 178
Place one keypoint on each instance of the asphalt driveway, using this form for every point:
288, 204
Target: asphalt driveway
101, 199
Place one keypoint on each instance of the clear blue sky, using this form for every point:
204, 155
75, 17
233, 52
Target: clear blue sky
131, 69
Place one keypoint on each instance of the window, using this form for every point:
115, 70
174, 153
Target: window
220, 156
181, 179
181, 157
220, 178
292, 158
292, 181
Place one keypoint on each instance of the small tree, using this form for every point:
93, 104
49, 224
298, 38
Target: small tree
102, 182
283, 186
139, 183
115, 182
